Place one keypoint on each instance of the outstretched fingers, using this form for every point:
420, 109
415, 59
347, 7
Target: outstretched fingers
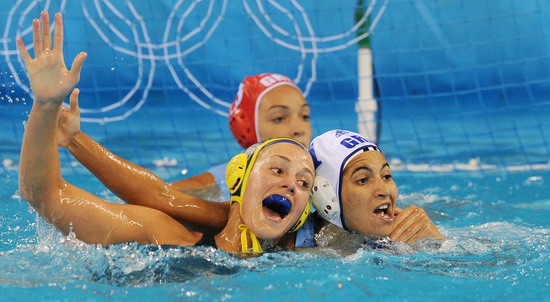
58, 32
76, 67
46, 36
23, 51
36, 37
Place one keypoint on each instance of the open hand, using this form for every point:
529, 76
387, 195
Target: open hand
50, 80
412, 224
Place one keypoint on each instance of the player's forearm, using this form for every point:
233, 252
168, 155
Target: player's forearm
137, 185
132, 183
39, 170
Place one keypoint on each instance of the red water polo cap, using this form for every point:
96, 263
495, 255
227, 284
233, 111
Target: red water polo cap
243, 113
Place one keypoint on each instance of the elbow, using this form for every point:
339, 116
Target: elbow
29, 193
34, 194
24, 189
23, 192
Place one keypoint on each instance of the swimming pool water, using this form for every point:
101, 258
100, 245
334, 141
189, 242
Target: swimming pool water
451, 109
497, 249
496, 222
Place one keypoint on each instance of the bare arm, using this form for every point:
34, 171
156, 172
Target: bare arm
40, 183
197, 182
70, 136
137, 185
51, 82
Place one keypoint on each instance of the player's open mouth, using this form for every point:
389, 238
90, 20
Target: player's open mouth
383, 212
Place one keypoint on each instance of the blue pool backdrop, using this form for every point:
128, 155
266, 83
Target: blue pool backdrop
456, 85
456, 93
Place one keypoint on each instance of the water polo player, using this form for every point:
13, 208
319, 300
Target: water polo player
354, 190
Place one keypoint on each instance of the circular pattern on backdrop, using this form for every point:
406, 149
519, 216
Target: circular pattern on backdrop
123, 27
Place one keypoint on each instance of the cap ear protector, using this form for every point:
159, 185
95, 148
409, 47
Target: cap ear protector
234, 173
324, 199
239, 123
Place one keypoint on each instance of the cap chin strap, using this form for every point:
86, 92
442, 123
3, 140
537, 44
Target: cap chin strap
236, 176
256, 247
302, 219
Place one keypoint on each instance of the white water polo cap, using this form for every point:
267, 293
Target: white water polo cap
331, 152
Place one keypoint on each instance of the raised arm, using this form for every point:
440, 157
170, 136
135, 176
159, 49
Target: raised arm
51, 82
40, 183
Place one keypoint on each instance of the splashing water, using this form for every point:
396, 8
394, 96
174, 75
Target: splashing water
493, 243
